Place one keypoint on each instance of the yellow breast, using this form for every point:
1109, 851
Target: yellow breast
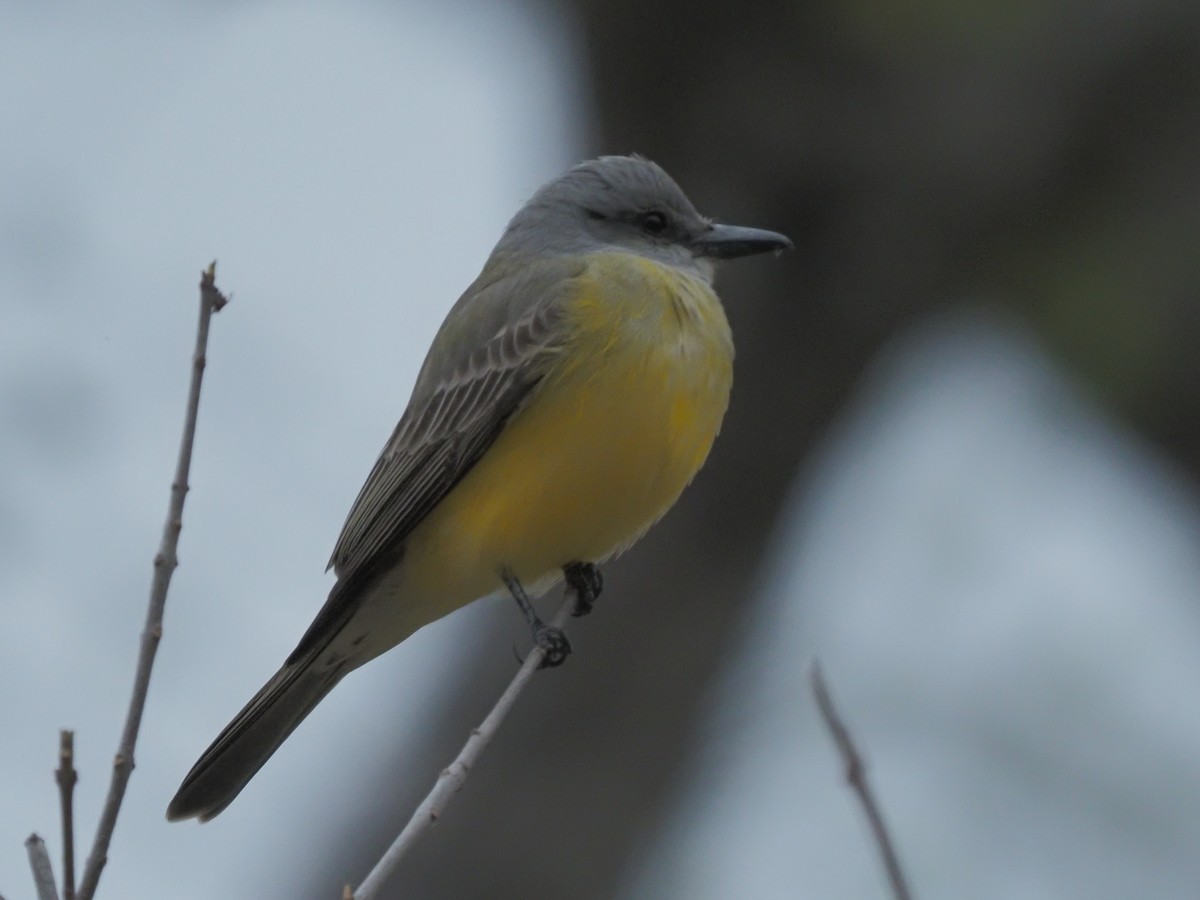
615, 431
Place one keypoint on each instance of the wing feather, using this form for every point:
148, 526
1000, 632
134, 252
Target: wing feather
434, 446
486, 366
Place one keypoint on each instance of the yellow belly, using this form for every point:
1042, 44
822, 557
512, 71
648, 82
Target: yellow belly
606, 444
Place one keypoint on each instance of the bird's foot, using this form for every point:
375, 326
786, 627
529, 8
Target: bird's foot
554, 644
585, 582
550, 638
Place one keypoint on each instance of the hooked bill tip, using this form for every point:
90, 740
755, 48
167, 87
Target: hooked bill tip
732, 241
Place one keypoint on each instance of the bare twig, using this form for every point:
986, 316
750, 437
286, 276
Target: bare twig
856, 777
455, 775
165, 561
66, 777
43, 872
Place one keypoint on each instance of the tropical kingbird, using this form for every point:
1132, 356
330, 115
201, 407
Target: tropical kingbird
569, 397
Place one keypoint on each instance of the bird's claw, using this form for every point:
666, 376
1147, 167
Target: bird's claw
554, 645
586, 582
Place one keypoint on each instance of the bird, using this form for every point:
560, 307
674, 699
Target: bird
569, 397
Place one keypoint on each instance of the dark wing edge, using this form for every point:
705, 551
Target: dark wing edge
433, 447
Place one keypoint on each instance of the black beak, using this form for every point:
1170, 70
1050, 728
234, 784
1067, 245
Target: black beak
732, 241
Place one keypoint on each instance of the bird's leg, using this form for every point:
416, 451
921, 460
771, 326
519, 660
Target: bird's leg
550, 639
586, 582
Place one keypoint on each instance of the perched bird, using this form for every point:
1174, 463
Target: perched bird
571, 394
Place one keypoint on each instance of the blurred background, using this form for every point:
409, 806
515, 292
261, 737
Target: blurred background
960, 465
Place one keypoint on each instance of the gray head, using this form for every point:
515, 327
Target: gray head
630, 204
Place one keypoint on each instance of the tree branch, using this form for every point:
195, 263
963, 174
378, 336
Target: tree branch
455, 775
211, 301
66, 777
43, 872
856, 777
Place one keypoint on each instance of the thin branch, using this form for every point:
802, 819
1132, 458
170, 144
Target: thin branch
66, 777
211, 301
856, 777
455, 775
43, 872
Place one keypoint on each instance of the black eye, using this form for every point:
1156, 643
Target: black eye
653, 222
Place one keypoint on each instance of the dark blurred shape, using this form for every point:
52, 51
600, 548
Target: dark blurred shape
1044, 155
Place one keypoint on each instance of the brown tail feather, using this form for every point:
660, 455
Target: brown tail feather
249, 740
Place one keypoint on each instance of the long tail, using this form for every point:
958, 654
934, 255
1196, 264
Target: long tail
249, 740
